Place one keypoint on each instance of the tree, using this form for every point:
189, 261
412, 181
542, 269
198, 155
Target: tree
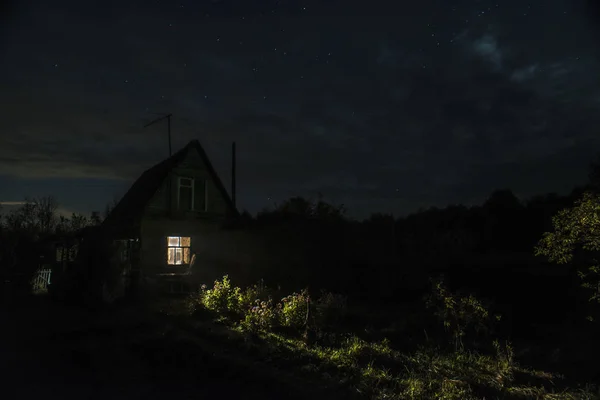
576, 235
502, 212
576, 238
45, 211
28, 214
95, 218
62, 225
78, 221
23, 220
299, 208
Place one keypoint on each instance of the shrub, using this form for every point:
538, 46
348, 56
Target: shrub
294, 309
458, 314
194, 301
262, 316
576, 233
250, 296
331, 309
222, 298
505, 359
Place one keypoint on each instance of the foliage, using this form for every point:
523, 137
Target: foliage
458, 314
294, 309
222, 297
374, 368
505, 359
331, 309
301, 208
262, 316
248, 297
256, 309
576, 228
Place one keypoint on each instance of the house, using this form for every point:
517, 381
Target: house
160, 223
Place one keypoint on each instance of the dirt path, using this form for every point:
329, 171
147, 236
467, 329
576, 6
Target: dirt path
66, 353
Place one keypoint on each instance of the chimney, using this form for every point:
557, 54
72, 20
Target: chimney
233, 173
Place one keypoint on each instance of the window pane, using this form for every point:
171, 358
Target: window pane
185, 198
171, 256
185, 182
185, 242
178, 256
172, 241
200, 195
186, 255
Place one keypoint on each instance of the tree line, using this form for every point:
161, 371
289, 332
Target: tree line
377, 255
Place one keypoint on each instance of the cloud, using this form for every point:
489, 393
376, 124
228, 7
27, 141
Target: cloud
487, 47
371, 120
524, 74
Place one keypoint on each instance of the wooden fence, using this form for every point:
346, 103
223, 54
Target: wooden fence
41, 280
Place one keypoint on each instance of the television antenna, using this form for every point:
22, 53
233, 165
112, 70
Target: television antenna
168, 118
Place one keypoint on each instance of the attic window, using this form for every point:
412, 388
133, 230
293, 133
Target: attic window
178, 250
185, 194
191, 194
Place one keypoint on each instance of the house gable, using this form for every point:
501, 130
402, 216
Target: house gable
192, 186
155, 192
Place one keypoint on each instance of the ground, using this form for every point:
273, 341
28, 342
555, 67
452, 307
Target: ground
153, 348
60, 352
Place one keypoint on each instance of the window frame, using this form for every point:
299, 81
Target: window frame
190, 186
178, 246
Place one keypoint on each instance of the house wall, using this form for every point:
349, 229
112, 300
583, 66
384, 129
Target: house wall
191, 167
286, 256
154, 232
244, 255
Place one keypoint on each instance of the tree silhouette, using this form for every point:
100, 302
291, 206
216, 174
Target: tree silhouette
45, 210
575, 238
502, 211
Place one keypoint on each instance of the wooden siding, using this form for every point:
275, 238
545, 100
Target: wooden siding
190, 167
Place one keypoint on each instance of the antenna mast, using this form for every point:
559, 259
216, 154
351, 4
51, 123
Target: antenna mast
168, 117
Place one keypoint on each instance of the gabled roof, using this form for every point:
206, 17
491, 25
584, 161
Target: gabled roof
131, 207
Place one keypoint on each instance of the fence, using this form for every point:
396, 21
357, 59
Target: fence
41, 280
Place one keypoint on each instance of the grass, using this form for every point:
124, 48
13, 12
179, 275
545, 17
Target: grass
360, 368
169, 347
377, 371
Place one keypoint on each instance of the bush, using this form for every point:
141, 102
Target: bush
249, 297
222, 298
505, 359
262, 316
294, 309
331, 309
458, 314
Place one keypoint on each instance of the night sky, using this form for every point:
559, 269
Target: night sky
385, 106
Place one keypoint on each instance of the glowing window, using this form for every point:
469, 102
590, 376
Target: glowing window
178, 250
